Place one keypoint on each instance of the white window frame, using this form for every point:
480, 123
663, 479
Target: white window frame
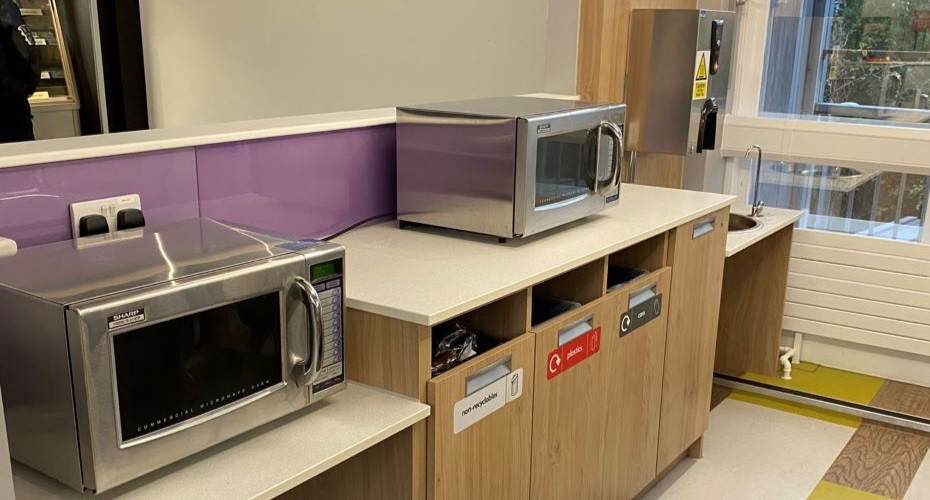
871, 146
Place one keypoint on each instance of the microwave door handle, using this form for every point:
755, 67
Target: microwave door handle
310, 368
597, 158
593, 143
616, 133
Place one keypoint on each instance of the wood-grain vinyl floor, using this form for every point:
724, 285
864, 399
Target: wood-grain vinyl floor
880, 459
757, 451
904, 398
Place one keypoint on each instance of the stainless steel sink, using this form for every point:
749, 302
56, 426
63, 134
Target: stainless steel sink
739, 223
816, 171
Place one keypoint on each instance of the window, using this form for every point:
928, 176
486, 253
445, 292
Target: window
875, 203
857, 59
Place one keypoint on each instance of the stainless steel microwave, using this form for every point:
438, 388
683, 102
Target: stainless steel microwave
119, 358
508, 167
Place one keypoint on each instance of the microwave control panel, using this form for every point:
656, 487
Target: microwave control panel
327, 278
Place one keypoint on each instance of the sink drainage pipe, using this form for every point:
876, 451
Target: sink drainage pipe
785, 360
798, 340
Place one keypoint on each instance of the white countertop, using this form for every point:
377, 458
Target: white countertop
773, 219
94, 146
266, 462
428, 275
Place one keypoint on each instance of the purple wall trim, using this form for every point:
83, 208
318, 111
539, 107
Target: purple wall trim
310, 185
34, 200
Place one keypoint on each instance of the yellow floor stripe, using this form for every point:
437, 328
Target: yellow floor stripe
796, 408
830, 491
824, 381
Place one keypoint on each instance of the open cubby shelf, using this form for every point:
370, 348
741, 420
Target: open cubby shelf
510, 317
632, 263
495, 323
649, 254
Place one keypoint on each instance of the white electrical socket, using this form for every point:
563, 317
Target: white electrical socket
107, 207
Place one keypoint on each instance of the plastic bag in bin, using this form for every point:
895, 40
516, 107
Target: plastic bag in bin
454, 349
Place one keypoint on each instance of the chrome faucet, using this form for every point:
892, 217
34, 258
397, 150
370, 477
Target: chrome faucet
757, 204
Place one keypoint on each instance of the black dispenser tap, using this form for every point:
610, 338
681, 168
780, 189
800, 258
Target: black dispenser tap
707, 130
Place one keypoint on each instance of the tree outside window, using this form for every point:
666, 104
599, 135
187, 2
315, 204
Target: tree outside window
878, 54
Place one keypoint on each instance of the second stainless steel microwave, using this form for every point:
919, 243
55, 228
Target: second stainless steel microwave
507, 167
122, 357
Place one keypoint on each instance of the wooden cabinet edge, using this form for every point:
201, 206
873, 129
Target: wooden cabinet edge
752, 306
394, 355
504, 427
697, 260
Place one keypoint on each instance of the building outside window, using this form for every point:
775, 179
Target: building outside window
864, 62
856, 59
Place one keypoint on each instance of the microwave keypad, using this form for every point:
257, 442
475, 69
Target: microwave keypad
331, 297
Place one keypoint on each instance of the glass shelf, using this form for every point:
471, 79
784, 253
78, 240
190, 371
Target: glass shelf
56, 81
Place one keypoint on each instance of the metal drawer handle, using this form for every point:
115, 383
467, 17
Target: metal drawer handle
643, 294
487, 376
578, 328
703, 227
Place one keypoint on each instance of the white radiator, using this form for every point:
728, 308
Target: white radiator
861, 303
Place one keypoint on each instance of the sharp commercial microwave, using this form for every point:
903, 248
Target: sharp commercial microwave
117, 359
508, 167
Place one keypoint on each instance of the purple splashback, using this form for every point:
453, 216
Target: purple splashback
308, 185
34, 201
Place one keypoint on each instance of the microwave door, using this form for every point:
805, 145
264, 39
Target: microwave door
163, 372
566, 166
176, 373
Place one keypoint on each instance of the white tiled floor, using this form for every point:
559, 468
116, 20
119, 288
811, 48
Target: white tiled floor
920, 486
756, 453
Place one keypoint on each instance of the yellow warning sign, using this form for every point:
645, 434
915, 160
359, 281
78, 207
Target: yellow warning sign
702, 69
700, 90
699, 87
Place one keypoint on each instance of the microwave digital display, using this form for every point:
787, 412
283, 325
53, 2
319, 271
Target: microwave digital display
325, 270
176, 370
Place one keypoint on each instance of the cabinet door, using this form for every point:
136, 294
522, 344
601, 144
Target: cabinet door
570, 408
634, 373
490, 459
696, 253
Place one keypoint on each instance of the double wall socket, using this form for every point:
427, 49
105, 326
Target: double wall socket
107, 207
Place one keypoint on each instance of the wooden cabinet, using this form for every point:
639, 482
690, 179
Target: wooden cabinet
603, 46
570, 411
491, 458
752, 307
635, 364
596, 425
696, 254
604, 427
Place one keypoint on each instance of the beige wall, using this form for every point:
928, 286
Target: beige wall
210, 61
562, 46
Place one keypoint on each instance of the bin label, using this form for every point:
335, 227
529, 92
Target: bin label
514, 384
572, 353
472, 409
